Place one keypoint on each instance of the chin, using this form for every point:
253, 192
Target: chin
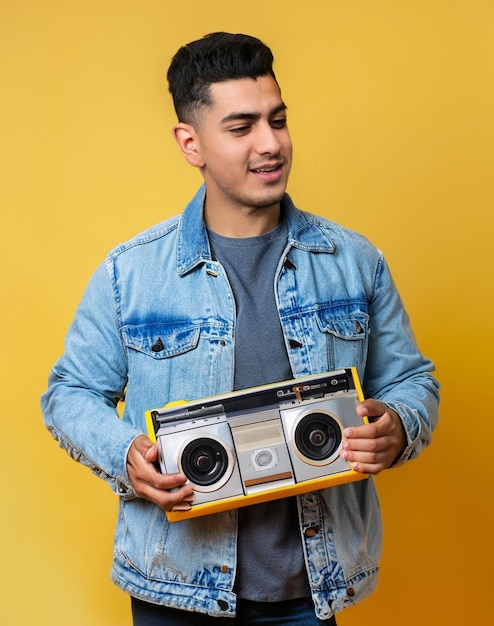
268, 200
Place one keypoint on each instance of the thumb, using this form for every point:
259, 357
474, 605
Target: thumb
371, 408
145, 447
151, 453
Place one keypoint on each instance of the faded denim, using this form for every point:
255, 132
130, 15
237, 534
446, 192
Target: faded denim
157, 323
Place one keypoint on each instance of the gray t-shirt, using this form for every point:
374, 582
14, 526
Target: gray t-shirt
271, 565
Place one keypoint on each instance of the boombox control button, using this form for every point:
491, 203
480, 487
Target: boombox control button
313, 530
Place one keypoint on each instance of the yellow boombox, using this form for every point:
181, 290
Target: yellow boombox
258, 444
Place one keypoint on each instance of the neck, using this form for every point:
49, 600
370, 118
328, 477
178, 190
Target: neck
240, 223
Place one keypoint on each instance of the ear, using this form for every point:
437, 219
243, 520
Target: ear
188, 142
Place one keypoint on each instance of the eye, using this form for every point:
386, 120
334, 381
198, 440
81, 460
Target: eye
279, 122
239, 130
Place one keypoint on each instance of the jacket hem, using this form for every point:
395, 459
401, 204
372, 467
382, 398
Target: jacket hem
182, 596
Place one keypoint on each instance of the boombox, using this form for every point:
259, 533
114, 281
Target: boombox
258, 444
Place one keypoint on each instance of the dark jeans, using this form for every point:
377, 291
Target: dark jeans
290, 613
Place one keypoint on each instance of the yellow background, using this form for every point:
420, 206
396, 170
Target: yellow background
391, 113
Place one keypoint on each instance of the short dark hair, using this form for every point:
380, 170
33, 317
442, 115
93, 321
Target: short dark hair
214, 58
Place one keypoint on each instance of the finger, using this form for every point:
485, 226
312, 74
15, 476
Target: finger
165, 490
146, 473
368, 468
366, 461
167, 500
364, 445
366, 431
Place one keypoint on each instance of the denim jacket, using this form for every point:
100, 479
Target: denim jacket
157, 323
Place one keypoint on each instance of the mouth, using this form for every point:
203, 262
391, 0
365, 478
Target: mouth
267, 169
271, 173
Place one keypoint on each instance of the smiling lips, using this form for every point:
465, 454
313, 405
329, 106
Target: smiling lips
269, 172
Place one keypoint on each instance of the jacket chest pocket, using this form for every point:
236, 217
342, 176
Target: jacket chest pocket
347, 334
161, 341
163, 361
177, 361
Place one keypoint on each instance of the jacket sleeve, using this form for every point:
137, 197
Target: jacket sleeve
85, 386
397, 373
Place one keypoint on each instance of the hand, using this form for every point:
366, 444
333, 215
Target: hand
375, 446
147, 481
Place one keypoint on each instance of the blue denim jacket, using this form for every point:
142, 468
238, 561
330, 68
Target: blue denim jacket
338, 308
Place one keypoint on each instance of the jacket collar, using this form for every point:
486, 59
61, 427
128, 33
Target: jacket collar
305, 231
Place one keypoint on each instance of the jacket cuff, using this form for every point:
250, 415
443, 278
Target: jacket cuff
412, 426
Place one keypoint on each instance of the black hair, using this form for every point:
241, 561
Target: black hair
215, 58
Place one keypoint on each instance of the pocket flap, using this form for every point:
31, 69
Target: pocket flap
352, 324
161, 341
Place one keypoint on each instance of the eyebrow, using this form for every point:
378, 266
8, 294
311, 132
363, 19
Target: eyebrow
238, 115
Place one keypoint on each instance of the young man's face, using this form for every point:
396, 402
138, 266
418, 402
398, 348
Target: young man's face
244, 145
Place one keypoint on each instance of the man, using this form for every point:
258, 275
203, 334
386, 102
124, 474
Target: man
239, 290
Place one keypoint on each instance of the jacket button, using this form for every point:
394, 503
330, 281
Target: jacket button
224, 569
350, 592
223, 604
158, 346
313, 530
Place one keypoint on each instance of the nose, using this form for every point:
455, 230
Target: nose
267, 140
